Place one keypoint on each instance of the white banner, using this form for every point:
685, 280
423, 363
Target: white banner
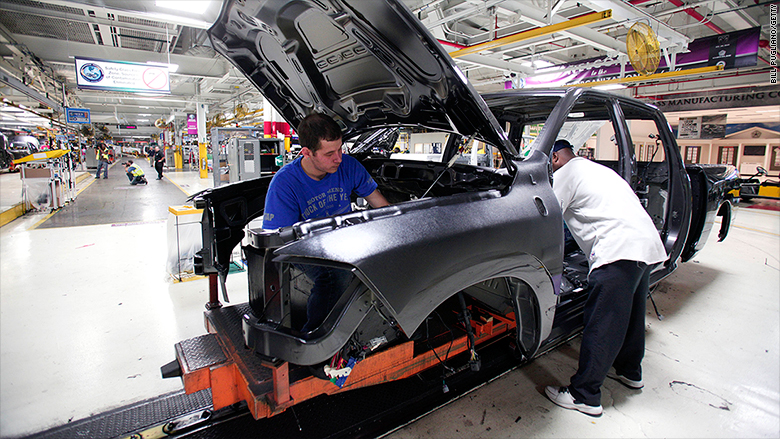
122, 76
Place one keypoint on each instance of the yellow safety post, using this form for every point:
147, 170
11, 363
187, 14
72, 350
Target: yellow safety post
178, 160
204, 161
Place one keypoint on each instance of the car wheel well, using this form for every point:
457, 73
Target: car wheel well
510, 294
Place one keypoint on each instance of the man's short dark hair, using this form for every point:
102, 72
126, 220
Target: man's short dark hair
129, 162
316, 127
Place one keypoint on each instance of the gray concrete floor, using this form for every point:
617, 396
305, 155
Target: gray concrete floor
88, 314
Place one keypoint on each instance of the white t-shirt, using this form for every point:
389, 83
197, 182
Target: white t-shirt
604, 215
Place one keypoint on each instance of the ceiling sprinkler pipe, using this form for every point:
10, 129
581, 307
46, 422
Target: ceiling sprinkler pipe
451, 44
689, 11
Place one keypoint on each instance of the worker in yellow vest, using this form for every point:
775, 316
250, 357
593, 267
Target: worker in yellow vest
135, 174
102, 156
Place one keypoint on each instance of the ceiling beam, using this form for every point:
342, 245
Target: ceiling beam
11, 81
534, 33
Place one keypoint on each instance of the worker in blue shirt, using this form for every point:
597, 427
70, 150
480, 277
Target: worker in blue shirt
317, 184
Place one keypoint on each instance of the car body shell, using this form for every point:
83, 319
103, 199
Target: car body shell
372, 66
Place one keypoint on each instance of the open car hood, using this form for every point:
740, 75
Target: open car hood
366, 63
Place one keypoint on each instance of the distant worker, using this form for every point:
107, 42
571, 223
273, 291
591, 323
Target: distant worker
621, 242
101, 154
135, 174
149, 151
159, 162
318, 184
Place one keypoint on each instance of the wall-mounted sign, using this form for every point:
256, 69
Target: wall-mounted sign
192, 124
77, 115
713, 127
704, 127
127, 127
96, 74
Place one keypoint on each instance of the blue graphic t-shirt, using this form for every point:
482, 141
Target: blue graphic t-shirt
294, 196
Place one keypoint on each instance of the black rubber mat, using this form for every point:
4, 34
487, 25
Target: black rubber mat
115, 201
125, 420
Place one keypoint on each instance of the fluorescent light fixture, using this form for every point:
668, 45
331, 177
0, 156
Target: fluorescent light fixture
610, 87
196, 7
143, 120
576, 114
539, 64
144, 114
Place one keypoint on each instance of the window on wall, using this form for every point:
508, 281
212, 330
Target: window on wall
774, 165
754, 150
643, 152
727, 155
692, 154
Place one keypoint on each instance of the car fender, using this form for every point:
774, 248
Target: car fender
415, 255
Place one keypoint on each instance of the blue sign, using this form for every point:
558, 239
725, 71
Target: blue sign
77, 115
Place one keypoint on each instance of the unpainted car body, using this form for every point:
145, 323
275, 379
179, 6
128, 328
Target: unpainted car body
494, 234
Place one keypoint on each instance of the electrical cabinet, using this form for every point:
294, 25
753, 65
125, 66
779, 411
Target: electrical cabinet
246, 158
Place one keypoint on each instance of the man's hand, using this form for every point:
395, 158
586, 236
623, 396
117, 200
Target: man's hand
376, 199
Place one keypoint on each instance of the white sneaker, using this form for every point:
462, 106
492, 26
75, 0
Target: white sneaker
631, 384
561, 397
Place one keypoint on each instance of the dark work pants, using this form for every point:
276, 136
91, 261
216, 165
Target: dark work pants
159, 168
329, 285
614, 332
134, 179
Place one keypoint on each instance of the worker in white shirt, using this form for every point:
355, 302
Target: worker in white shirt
612, 228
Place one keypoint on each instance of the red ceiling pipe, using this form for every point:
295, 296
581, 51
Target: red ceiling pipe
636, 89
447, 43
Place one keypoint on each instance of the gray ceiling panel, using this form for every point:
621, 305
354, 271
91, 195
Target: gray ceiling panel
48, 27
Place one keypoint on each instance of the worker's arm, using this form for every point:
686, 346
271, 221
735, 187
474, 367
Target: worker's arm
376, 199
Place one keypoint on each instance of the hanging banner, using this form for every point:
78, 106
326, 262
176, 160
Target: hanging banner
96, 74
716, 99
732, 50
192, 124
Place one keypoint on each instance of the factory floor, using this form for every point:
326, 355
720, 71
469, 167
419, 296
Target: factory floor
89, 313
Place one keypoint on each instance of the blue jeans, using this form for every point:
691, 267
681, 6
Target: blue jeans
329, 285
614, 332
102, 164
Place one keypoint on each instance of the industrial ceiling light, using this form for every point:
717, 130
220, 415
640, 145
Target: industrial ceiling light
539, 64
197, 7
